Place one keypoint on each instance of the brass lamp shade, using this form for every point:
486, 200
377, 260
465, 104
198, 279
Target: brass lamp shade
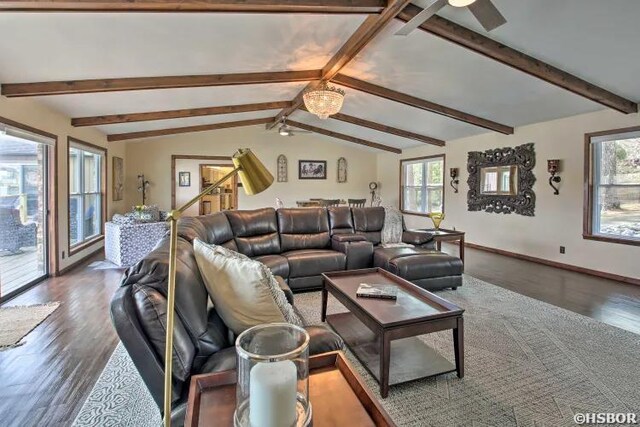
254, 176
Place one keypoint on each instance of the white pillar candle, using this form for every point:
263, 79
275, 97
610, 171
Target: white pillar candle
272, 401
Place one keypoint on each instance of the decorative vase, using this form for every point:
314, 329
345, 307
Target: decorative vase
437, 218
273, 377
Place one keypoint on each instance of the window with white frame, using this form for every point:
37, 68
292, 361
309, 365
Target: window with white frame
86, 192
422, 185
612, 204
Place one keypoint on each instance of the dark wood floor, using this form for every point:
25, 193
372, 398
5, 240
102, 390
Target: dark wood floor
45, 381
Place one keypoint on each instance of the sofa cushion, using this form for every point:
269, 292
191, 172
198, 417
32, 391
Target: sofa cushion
151, 308
244, 292
313, 262
340, 220
369, 222
303, 228
255, 231
278, 264
382, 256
426, 265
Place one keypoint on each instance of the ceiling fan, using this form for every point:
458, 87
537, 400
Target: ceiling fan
485, 12
285, 130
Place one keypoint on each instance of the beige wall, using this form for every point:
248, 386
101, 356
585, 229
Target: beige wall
558, 219
32, 113
153, 158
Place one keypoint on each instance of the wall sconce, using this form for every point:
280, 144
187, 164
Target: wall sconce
453, 172
553, 167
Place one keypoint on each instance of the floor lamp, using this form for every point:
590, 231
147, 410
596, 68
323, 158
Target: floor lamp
255, 178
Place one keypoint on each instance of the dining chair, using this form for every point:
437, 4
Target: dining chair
357, 203
330, 202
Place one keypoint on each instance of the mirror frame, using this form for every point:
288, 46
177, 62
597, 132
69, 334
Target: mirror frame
524, 201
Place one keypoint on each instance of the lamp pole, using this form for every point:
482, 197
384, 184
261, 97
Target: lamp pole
173, 217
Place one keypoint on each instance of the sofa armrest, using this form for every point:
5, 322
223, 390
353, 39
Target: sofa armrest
343, 238
285, 288
416, 237
359, 253
322, 340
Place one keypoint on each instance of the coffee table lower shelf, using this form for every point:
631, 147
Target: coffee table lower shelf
411, 358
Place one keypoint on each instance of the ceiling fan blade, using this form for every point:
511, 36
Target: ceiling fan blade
487, 14
417, 20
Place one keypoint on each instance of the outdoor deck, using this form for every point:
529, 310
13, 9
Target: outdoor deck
18, 270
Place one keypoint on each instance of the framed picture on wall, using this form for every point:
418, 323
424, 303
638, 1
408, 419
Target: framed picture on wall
118, 178
312, 169
184, 179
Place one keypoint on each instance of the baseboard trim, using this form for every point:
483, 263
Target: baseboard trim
77, 263
569, 267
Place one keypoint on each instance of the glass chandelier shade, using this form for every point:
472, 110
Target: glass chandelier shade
324, 100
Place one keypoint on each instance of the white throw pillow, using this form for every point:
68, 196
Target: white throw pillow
244, 291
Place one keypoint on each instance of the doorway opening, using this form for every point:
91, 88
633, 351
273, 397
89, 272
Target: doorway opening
223, 198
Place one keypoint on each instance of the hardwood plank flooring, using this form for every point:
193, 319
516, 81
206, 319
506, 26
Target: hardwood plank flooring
45, 381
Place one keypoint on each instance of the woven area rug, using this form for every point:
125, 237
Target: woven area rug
18, 321
527, 363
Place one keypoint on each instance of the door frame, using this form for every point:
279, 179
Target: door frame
175, 157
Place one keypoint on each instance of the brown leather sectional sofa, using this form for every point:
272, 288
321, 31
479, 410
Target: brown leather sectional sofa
298, 245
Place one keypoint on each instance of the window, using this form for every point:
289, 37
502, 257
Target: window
612, 193
421, 188
87, 178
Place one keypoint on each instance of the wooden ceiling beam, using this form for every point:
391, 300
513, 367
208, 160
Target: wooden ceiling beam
497, 51
383, 128
176, 114
343, 137
366, 32
388, 129
412, 101
11, 90
235, 6
186, 129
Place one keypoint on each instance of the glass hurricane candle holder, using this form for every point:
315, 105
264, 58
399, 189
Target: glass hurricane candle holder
273, 377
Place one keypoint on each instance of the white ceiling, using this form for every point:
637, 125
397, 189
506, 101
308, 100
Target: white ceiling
592, 39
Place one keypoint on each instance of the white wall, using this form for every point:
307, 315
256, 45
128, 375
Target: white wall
153, 158
557, 220
32, 113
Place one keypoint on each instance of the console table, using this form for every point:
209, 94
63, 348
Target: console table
444, 235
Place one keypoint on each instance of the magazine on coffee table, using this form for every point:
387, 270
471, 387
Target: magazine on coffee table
377, 291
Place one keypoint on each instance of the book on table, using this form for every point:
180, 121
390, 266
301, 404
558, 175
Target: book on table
366, 290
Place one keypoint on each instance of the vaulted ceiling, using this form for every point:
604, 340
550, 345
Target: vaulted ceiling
447, 90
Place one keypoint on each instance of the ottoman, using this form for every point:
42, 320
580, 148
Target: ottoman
427, 268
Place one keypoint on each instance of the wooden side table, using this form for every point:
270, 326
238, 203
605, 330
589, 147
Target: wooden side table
444, 235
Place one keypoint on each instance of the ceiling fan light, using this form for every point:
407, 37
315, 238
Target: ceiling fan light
461, 3
283, 131
324, 100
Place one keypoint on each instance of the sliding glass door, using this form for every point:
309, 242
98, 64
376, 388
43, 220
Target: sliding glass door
24, 188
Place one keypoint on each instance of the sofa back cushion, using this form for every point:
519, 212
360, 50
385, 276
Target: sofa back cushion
303, 228
213, 229
369, 222
255, 231
199, 338
340, 220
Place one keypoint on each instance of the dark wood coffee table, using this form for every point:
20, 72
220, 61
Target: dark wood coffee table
382, 334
